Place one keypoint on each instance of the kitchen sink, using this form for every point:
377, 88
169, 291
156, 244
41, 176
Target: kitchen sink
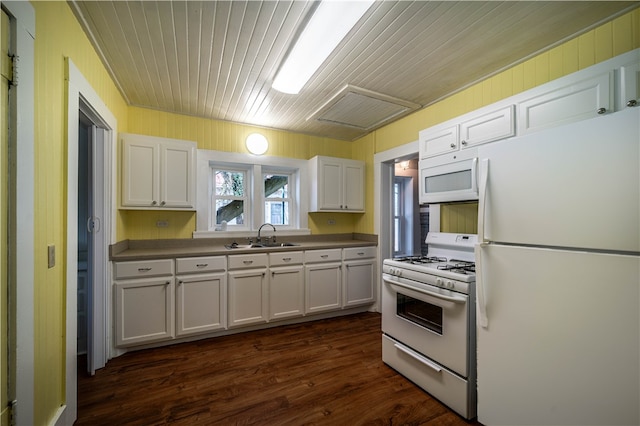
234, 245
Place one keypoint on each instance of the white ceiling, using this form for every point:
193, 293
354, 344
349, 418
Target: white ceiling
217, 59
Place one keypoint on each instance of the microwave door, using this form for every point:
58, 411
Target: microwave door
448, 182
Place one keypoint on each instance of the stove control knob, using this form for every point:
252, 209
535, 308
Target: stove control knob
450, 284
439, 282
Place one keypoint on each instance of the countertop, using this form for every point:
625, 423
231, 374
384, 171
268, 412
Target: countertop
169, 249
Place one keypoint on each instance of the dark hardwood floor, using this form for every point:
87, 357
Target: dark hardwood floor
326, 372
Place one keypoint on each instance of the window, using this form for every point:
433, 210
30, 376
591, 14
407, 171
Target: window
245, 192
277, 198
230, 199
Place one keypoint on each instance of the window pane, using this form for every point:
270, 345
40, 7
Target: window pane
229, 183
276, 186
276, 212
231, 211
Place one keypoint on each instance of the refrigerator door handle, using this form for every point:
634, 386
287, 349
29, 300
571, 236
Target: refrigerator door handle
482, 197
483, 320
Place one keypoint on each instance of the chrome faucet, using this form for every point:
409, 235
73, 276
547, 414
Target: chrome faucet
260, 229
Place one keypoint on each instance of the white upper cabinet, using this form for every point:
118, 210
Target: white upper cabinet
472, 129
629, 85
158, 173
337, 184
438, 141
489, 127
566, 100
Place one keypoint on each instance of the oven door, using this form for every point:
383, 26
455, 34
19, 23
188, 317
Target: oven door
430, 320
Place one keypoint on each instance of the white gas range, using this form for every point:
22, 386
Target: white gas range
428, 319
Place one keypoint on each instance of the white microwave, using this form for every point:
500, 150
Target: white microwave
449, 177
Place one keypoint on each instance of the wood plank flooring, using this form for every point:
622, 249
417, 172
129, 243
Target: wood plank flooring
326, 372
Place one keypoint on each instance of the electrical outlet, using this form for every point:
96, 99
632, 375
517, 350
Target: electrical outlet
162, 223
51, 256
331, 222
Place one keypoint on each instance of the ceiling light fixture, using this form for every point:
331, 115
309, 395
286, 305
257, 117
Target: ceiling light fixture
257, 144
330, 23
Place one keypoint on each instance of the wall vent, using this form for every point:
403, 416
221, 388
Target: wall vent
362, 109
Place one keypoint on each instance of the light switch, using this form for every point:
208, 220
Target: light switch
51, 255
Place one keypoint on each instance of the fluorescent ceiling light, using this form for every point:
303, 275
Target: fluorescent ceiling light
330, 23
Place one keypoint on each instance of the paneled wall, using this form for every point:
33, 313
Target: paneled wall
223, 136
58, 35
604, 42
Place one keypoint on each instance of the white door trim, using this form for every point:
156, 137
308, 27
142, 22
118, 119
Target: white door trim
25, 23
384, 163
80, 91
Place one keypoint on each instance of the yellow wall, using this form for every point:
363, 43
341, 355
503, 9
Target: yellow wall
604, 42
58, 34
222, 136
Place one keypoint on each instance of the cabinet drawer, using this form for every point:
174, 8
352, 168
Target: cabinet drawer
328, 255
243, 261
201, 264
359, 253
286, 258
143, 268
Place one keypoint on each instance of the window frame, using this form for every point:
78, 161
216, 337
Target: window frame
247, 201
291, 183
256, 166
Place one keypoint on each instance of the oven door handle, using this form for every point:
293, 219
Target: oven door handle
395, 284
413, 354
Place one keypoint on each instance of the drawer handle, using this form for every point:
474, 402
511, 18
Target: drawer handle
361, 253
247, 262
144, 269
286, 259
324, 256
601, 111
202, 265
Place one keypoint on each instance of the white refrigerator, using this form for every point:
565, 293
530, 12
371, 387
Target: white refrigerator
558, 275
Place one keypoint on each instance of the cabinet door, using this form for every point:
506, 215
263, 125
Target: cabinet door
140, 172
286, 292
200, 303
247, 297
436, 142
629, 85
566, 104
178, 175
323, 284
330, 185
488, 127
353, 187
359, 279
144, 311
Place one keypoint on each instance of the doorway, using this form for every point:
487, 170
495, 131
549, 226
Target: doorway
91, 242
86, 107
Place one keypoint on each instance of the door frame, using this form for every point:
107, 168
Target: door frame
80, 95
383, 171
23, 15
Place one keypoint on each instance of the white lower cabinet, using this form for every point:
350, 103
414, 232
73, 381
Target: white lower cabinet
144, 306
248, 283
323, 280
201, 295
163, 299
286, 285
359, 274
